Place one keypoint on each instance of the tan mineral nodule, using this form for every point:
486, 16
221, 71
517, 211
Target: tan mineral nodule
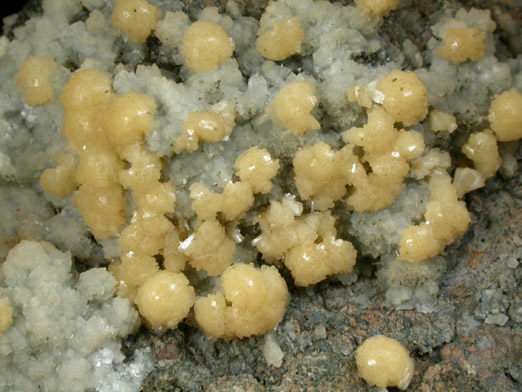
131, 271
404, 96
253, 302
165, 299
282, 40
466, 179
461, 45
60, 181
377, 8
257, 168
6, 315
482, 149
136, 18
235, 200
173, 259
505, 116
440, 121
209, 249
292, 107
33, 80
102, 211
384, 363
388, 152
206, 45
129, 118
446, 218
311, 263
320, 174
87, 88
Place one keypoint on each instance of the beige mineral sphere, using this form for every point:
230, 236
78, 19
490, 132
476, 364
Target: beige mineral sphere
205, 46
384, 362
165, 299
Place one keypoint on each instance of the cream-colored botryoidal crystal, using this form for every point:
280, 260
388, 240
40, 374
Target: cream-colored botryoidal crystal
320, 174
131, 271
209, 248
505, 116
98, 168
6, 315
60, 180
145, 234
33, 80
208, 127
404, 96
312, 262
173, 259
466, 180
205, 46
446, 218
281, 230
432, 160
102, 211
84, 99
129, 118
283, 40
235, 200
212, 126
165, 299
257, 168
308, 243
388, 152
377, 8
292, 107
360, 94
136, 18
461, 45
384, 362
253, 302
145, 167
440, 121
482, 149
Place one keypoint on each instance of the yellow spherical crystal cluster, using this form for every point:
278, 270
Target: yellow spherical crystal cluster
404, 97
321, 173
461, 45
377, 8
205, 46
33, 80
165, 299
307, 244
256, 167
292, 107
482, 149
505, 116
211, 126
282, 40
384, 362
388, 152
446, 218
252, 302
136, 18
